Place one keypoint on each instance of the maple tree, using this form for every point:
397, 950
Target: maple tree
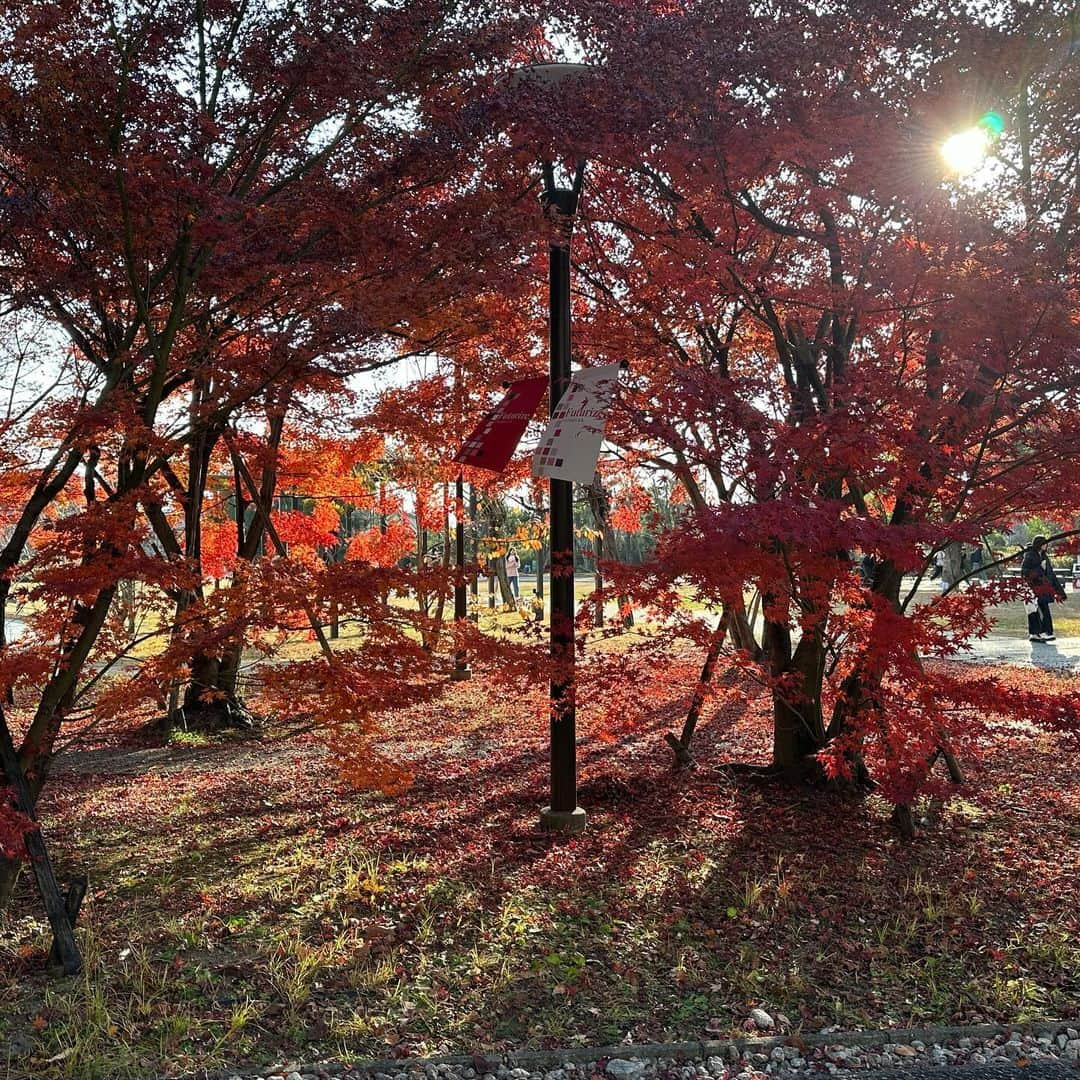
838, 349
428, 419
209, 206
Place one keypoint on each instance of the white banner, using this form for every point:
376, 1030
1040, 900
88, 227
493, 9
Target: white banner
571, 442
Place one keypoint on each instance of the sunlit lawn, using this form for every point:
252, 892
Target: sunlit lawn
1010, 620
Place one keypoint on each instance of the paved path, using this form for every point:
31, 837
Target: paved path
1035, 1070
1060, 655
1044, 1053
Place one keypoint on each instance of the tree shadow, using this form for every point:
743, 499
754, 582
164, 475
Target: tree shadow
748, 890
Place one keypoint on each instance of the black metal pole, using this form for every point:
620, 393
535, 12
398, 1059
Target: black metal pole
563, 814
474, 583
541, 558
598, 581
461, 669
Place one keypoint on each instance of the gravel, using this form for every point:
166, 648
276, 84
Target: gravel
1049, 1051
762, 1020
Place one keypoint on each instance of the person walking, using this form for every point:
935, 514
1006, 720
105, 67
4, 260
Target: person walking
940, 563
937, 567
513, 569
977, 562
1038, 572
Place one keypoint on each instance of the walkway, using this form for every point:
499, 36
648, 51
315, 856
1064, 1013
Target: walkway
1060, 655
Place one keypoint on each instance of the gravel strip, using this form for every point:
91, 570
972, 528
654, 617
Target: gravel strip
1048, 1049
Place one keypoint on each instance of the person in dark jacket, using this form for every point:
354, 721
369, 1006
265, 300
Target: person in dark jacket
1039, 574
977, 562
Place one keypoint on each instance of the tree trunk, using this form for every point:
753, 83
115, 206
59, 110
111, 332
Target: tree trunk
681, 745
210, 698
798, 726
474, 580
9, 868
598, 583
794, 739
499, 565
202, 683
60, 691
601, 507
431, 637
9, 878
953, 565
64, 946
860, 688
54, 703
742, 630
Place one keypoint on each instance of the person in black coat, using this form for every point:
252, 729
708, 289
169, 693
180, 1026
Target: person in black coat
1039, 574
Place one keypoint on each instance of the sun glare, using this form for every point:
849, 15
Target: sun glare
967, 150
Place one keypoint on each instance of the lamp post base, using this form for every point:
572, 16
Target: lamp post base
563, 821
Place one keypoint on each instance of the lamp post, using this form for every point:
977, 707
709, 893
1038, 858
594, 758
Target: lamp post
474, 582
560, 204
461, 672
563, 813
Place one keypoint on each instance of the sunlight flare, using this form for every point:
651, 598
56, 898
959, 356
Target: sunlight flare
965, 151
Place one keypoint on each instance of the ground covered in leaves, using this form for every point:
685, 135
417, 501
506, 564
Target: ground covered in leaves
245, 905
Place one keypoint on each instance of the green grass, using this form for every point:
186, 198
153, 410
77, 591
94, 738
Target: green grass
1010, 620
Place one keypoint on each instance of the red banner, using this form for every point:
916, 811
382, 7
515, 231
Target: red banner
495, 439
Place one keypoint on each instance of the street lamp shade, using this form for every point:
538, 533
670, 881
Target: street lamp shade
550, 76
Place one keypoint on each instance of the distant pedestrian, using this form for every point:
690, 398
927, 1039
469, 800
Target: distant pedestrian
977, 563
939, 572
513, 569
867, 570
1038, 572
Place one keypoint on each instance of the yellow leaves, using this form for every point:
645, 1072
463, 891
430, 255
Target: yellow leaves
528, 537
372, 888
497, 547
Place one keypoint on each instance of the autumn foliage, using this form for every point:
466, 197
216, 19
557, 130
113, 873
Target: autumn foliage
218, 224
